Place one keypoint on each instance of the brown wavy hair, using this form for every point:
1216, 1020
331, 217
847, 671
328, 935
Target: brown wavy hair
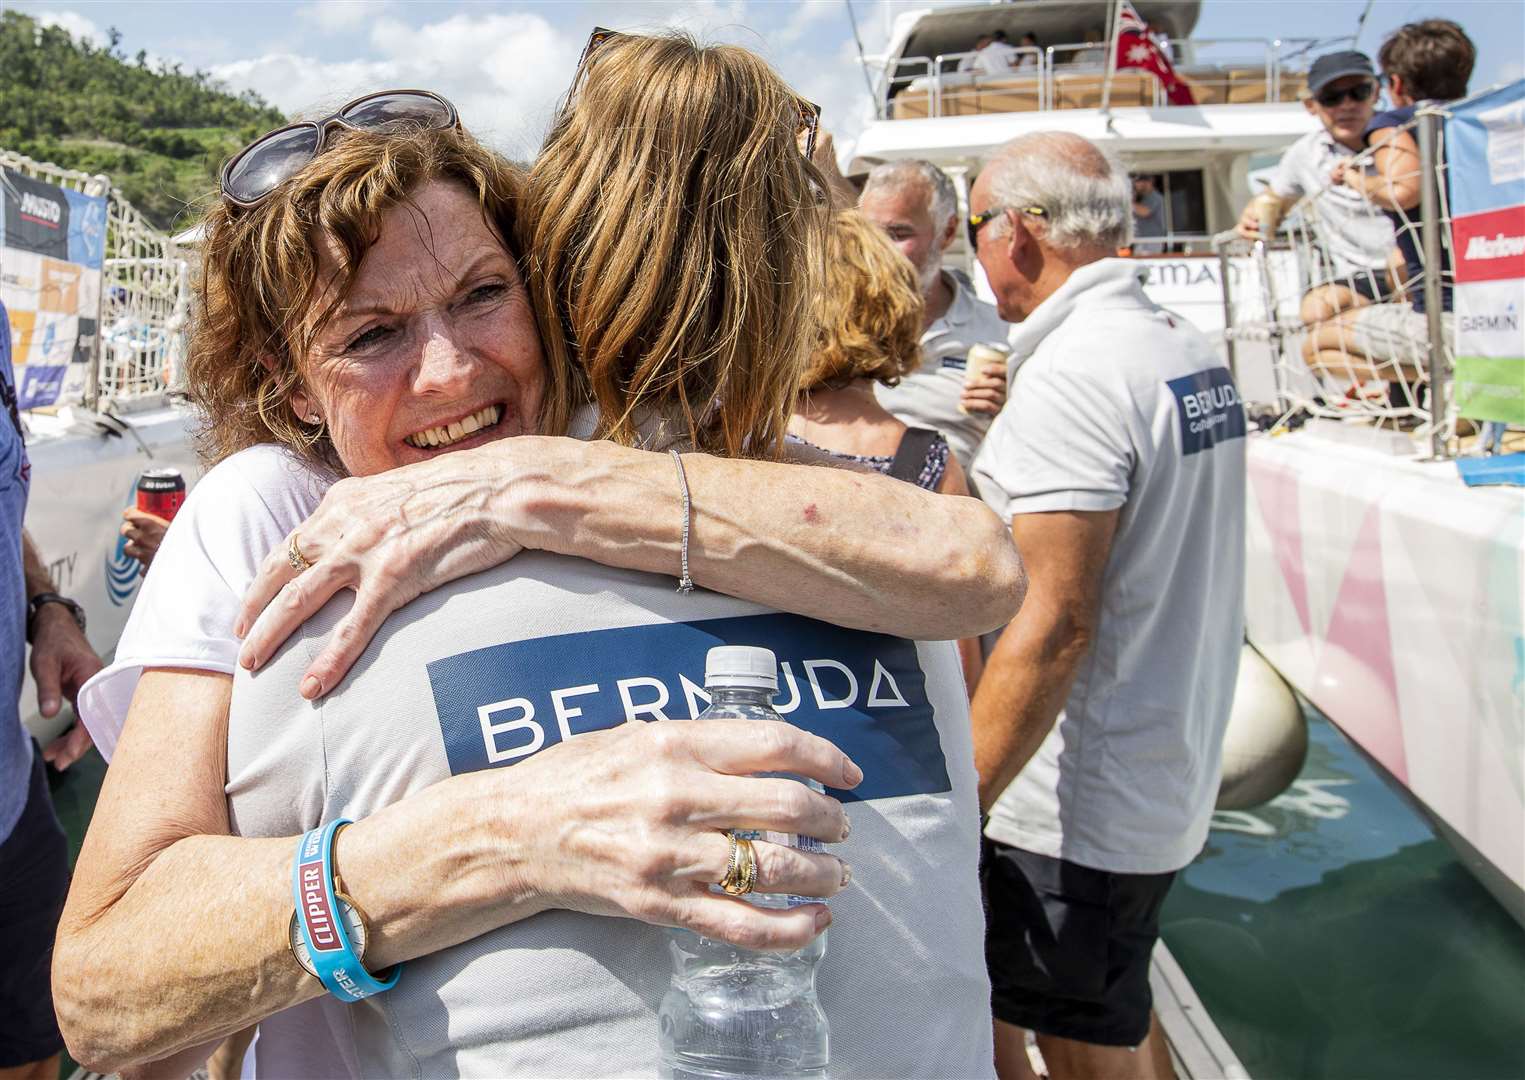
260, 304
1434, 59
675, 228
869, 310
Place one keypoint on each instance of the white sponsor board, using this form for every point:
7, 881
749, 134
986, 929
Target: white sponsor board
82, 480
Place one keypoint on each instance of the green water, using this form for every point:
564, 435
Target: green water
1333, 934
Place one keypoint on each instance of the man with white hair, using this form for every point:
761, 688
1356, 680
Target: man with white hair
914, 202
1099, 721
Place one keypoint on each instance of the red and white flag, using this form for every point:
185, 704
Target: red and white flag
1136, 49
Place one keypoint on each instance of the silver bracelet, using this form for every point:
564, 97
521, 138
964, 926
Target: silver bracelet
685, 583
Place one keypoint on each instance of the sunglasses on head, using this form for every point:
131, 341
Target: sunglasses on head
809, 113
259, 168
978, 221
1331, 97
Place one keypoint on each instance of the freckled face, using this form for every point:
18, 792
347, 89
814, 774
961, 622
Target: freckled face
435, 348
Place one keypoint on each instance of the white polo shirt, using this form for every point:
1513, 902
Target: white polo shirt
928, 397
1358, 236
1121, 405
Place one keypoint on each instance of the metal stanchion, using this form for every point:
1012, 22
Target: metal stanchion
1228, 311
1429, 232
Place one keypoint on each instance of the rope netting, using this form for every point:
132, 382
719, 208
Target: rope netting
1344, 323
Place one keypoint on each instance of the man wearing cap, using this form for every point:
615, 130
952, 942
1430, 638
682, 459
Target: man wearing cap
1342, 95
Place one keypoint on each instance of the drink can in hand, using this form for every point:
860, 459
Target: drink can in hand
161, 492
980, 358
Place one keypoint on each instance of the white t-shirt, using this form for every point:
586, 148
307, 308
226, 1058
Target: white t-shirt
997, 58
487, 671
1357, 235
242, 509
1122, 405
928, 397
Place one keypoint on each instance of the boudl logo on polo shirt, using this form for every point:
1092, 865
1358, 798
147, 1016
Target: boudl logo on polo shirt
865, 692
1210, 409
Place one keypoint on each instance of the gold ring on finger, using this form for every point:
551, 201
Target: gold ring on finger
294, 556
741, 870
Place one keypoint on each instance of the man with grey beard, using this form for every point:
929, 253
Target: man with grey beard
915, 204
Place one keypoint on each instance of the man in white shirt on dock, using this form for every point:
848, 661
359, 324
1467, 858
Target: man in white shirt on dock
1098, 724
915, 203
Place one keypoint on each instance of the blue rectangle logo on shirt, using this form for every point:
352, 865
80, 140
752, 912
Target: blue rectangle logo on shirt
1210, 409
865, 692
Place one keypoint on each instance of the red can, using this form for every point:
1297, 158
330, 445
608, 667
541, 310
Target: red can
161, 492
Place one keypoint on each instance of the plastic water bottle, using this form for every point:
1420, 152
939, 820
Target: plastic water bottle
733, 1012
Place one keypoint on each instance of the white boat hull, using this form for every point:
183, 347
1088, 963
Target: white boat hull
1393, 598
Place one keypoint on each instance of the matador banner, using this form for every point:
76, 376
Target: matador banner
52, 245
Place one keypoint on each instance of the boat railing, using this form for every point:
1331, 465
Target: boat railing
1072, 75
136, 345
1334, 353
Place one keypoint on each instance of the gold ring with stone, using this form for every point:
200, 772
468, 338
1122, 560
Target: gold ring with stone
294, 556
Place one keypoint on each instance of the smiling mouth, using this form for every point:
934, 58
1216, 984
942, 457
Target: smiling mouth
457, 430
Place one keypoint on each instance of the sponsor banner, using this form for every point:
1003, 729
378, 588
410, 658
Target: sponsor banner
1485, 151
865, 692
1489, 383
36, 215
1485, 159
1490, 246
52, 249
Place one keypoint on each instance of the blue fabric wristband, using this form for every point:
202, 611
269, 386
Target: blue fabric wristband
321, 922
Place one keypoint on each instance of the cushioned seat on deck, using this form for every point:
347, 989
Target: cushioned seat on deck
1085, 91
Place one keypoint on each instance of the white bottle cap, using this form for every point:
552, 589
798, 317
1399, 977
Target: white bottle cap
741, 666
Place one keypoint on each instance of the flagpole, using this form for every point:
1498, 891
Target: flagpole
1106, 83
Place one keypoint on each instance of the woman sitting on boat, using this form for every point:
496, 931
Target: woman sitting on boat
362, 313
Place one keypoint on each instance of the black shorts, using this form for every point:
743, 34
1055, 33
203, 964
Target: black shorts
34, 878
1068, 946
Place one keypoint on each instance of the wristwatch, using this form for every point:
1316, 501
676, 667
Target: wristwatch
34, 605
354, 923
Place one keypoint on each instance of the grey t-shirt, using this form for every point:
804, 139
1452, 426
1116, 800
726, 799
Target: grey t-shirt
1357, 235
508, 663
928, 397
1121, 405
1150, 225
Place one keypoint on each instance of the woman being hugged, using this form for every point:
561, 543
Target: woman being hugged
517, 839
869, 317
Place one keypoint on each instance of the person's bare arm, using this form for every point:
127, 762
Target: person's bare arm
1394, 182
175, 933
969, 653
859, 550
62, 660
1028, 675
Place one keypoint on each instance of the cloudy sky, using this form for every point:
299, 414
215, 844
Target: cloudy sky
504, 64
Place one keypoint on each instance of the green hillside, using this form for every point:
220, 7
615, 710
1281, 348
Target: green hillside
160, 133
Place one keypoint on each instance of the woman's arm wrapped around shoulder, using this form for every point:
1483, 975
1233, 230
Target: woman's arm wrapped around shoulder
175, 933
858, 550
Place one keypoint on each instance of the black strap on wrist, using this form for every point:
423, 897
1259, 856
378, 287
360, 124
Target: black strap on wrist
36, 603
